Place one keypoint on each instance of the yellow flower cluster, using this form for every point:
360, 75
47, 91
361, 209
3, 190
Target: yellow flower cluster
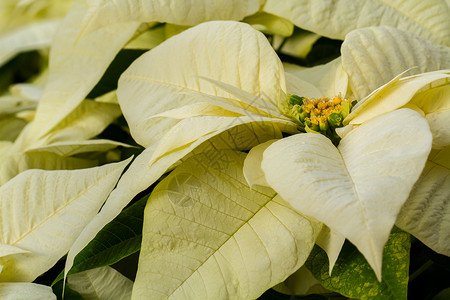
320, 115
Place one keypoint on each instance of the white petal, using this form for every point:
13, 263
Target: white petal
70, 148
438, 122
331, 242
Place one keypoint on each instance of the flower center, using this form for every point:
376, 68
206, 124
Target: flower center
322, 115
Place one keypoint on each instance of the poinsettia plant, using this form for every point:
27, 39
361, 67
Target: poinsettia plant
227, 150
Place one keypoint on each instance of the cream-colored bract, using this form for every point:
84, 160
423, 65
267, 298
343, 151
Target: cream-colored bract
141, 174
178, 91
38, 35
252, 165
42, 212
72, 73
334, 19
15, 14
401, 91
270, 24
69, 148
207, 235
373, 56
176, 83
103, 13
6, 249
52, 151
359, 187
25, 290
17, 162
426, 213
101, 284
178, 98
427, 93
328, 80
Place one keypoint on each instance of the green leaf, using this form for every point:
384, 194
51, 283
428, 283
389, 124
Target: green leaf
443, 295
69, 294
120, 238
353, 277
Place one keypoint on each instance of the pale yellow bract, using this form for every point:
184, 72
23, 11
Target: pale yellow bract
335, 19
61, 203
29, 25
101, 283
219, 84
219, 76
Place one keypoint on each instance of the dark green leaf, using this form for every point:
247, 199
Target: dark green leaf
443, 295
69, 294
120, 63
118, 239
353, 277
274, 295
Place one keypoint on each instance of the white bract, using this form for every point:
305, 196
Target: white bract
42, 213
428, 19
29, 25
188, 92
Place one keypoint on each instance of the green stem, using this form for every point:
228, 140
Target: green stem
420, 270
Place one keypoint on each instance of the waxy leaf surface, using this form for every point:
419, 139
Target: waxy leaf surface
44, 211
140, 175
352, 276
34, 36
375, 55
358, 188
171, 77
104, 13
334, 19
426, 213
101, 284
328, 80
76, 66
25, 290
208, 235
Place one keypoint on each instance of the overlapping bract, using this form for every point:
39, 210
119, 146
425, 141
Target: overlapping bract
210, 88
